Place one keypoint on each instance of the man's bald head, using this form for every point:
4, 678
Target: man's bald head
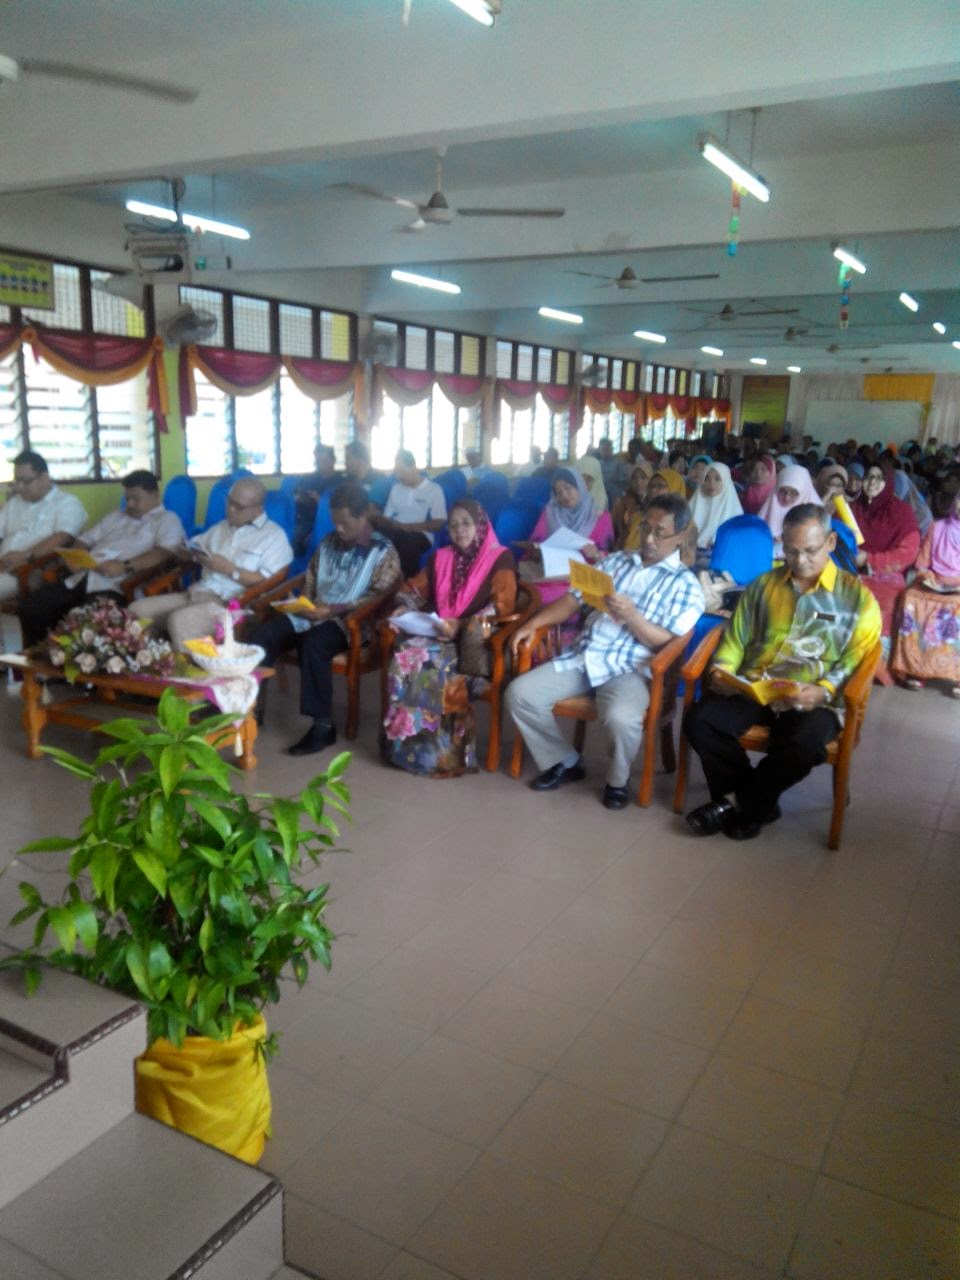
245, 501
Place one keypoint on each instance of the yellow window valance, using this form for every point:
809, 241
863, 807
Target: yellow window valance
899, 386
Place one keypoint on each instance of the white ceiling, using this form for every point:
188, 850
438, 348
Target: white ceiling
592, 105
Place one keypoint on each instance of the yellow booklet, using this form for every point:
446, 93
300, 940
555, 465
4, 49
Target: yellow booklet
593, 584
204, 645
76, 558
762, 691
297, 604
841, 508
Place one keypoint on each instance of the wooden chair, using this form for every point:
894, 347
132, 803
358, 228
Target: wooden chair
359, 659
856, 695
156, 582
528, 602
658, 720
53, 568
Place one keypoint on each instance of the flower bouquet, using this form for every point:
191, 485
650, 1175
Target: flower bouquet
101, 638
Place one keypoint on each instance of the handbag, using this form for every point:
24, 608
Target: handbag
473, 647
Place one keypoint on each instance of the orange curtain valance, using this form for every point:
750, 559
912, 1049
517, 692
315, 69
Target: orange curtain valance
899, 386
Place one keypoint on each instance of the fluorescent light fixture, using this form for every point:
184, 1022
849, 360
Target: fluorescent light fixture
758, 360
793, 368
151, 210
424, 282
646, 336
940, 328
712, 149
192, 220
844, 255
712, 351
911, 303
484, 11
956, 344
568, 317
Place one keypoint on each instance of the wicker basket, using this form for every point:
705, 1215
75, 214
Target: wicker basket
246, 658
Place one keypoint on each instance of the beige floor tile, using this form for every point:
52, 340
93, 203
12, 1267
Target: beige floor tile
586, 1142
369, 909
500, 1223
584, 975
475, 937
624, 927
420, 987
818, 984
637, 1067
406, 1267
910, 1078
795, 1041
902, 1156
457, 1089
380, 1172
741, 1202
348, 1048
692, 1009
330, 1247
849, 1234
636, 1250
921, 1014
523, 899
521, 1026
303, 1111
764, 1110
432, 874
732, 955
833, 935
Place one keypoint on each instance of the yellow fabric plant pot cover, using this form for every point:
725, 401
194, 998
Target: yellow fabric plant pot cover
214, 1090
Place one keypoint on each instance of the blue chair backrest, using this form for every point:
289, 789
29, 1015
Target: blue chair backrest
844, 554
492, 492
180, 497
281, 508
743, 548
515, 521
453, 483
217, 501
379, 491
290, 484
535, 489
322, 525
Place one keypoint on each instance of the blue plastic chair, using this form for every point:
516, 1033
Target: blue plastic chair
290, 484
535, 489
744, 549
453, 483
217, 501
322, 525
515, 522
281, 508
180, 497
379, 491
844, 555
493, 493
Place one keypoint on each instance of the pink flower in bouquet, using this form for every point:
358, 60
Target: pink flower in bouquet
409, 659
399, 724
87, 663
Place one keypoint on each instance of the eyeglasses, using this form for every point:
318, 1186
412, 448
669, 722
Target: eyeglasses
241, 506
803, 553
648, 531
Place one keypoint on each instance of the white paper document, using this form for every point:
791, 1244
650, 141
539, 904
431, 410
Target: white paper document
562, 537
556, 560
416, 624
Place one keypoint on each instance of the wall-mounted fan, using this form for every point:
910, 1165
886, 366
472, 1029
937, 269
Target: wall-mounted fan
628, 278
436, 208
187, 325
591, 374
380, 346
13, 69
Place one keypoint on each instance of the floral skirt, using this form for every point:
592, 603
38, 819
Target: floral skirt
429, 728
928, 641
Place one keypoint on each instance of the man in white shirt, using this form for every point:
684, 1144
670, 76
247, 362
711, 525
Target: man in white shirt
235, 554
415, 509
141, 536
35, 519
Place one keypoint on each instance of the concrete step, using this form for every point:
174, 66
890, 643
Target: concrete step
66, 1072
143, 1202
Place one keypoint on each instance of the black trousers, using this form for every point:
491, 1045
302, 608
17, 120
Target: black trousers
315, 650
410, 547
43, 608
798, 742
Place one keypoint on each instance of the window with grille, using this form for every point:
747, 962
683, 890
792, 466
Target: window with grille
671, 381
114, 315
251, 324
524, 364
256, 432
647, 379
296, 330
68, 297
11, 428
211, 300
209, 432
336, 337
435, 431
470, 350
415, 348
444, 352
564, 367
124, 428
544, 364
504, 359
521, 428
661, 380
695, 381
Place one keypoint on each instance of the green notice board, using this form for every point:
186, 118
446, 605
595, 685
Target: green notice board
26, 282
765, 400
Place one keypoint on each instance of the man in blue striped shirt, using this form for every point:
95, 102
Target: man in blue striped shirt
655, 598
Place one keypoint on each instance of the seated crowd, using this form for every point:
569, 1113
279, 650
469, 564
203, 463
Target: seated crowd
809, 561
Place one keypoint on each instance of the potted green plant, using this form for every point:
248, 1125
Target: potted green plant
185, 894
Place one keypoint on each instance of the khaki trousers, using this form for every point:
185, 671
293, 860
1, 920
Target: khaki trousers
181, 616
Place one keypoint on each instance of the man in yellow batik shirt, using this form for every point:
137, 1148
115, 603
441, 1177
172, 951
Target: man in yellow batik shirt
807, 623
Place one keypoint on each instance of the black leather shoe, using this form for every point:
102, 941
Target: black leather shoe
615, 797
317, 738
550, 779
740, 828
710, 818
775, 813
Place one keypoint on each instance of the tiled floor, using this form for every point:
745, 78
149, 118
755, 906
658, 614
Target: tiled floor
559, 1042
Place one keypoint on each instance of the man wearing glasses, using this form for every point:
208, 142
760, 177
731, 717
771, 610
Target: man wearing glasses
807, 622
233, 555
36, 518
655, 598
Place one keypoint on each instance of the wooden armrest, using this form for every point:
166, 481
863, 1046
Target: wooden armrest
526, 650
858, 686
250, 594
664, 658
156, 581
696, 664
355, 619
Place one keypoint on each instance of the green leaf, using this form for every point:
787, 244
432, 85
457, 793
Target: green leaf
50, 844
287, 816
152, 868
159, 963
71, 763
172, 762
30, 894
137, 968
61, 922
206, 934
31, 980
208, 762
85, 920
126, 730
213, 816
173, 711
104, 866
338, 764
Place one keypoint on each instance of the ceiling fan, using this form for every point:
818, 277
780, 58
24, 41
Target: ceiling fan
437, 209
729, 312
628, 278
12, 69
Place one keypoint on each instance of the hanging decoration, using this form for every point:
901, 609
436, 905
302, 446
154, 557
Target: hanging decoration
843, 280
733, 228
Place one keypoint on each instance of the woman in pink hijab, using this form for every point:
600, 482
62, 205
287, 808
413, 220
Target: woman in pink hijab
927, 645
794, 488
763, 481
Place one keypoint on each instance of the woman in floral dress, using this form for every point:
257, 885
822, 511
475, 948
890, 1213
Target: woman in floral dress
428, 727
927, 646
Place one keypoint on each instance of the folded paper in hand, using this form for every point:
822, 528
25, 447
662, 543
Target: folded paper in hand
593, 585
416, 624
557, 552
762, 691
294, 604
76, 558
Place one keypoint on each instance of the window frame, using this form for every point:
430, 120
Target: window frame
432, 330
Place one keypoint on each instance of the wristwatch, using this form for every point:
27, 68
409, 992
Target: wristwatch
128, 566
235, 575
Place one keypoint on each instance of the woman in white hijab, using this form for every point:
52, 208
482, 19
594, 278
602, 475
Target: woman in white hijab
589, 468
714, 501
794, 487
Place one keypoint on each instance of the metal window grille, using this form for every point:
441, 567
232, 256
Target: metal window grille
335, 341
470, 348
60, 421
207, 300
544, 363
209, 432
251, 324
504, 359
68, 296
296, 330
524, 363
563, 368
125, 429
255, 430
114, 315
416, 348
444, 351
